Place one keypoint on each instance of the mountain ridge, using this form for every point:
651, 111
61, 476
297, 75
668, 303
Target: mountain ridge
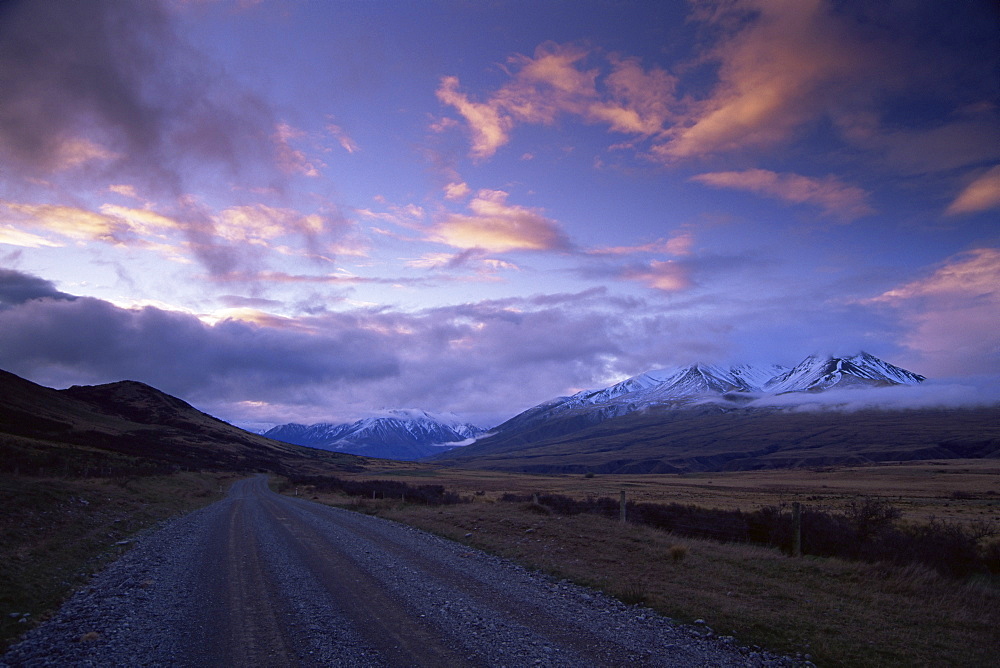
404, 434
700, 383
704, 417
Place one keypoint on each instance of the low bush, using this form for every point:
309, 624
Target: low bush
868, 530
431, 495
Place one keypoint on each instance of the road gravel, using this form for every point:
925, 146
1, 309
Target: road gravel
260, 579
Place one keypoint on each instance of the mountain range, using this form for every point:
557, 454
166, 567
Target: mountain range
691, 419
401, 434
708, 418
698, 384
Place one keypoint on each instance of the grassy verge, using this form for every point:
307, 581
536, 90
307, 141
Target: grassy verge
840, 613
55, 533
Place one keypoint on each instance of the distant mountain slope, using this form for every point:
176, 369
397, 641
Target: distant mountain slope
402, 434
131, 425
703, 417
703, 383
713, 438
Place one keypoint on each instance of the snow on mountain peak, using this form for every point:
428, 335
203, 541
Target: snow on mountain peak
707, 382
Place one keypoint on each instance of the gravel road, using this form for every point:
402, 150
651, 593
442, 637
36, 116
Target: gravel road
260, 579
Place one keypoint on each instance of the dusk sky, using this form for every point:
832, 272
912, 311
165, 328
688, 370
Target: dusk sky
294, 210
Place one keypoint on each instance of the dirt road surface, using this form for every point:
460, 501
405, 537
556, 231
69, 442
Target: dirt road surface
260, 579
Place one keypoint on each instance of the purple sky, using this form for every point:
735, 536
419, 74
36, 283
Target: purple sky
310, 211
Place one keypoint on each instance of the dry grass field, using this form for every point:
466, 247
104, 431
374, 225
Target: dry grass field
955, 489
839, 613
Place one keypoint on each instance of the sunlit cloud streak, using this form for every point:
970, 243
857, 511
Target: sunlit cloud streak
680, 244
953, 314
982, 194
554, 82
496, 226
834, 197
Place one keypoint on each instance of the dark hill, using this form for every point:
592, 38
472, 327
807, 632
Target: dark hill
712, 438
132, 427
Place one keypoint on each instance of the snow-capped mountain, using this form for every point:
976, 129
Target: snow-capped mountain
708, 384
399, 434
815, 374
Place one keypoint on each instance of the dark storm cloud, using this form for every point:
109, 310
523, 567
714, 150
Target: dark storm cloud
110, 79
92, 341
17, 288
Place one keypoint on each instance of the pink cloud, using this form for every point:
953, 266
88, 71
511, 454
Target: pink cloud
679, 245
292, 160
952, 314
556, 81
982, 194
489, 128
668, 276
342, 138
498, 227
830, 194
780, 68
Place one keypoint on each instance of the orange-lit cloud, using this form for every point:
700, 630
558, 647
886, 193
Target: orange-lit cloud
498, 227
830, 194
953, 314
68, 221
489, 129
556, 81
258, 224
141, 221
639, 103
780, 70
980, 195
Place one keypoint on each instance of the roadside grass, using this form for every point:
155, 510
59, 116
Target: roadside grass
839, 613
55, 533
957, 490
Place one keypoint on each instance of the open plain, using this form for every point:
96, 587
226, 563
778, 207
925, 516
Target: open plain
836, 612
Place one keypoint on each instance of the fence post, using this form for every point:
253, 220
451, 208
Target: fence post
796, 529
622, 508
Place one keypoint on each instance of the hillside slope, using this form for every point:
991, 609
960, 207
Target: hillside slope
131, 426
711, 438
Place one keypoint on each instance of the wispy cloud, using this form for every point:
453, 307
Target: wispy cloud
668, 275
952, 314
982, 194
290, 159
832, 195
556, 81
342, 137
680, 244
780, 64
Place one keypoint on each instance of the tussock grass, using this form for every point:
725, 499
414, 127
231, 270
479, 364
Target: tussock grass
841, 613
55, 533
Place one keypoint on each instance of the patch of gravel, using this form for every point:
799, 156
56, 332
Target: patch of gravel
148, 608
